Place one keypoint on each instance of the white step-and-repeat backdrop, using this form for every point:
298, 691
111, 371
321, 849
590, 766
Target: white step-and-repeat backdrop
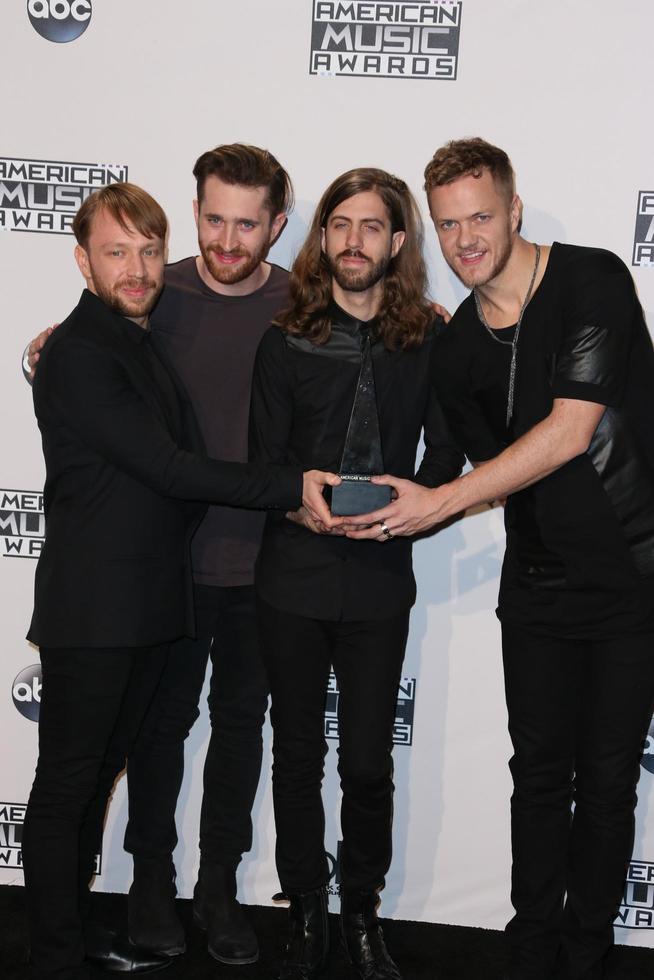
99, 90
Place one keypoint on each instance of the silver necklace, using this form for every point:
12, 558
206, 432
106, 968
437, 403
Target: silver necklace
513, 343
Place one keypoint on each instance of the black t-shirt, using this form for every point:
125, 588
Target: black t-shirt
211, 341
580, 543
302, 398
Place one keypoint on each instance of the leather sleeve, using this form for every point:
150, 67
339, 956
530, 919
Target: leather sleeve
599, 305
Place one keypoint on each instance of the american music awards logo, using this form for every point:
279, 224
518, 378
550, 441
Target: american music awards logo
44, 195
644, 231
12, 819
404, 710
637, 906
388, 40
22, 523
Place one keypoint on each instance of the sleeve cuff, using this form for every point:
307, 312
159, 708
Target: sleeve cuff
584, 391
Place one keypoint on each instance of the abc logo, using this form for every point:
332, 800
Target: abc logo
26, 692
59, 20
647, 760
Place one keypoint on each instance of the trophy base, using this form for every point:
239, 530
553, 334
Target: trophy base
357, 495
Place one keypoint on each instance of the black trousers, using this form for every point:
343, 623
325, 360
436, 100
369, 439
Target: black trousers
578, 715
92, 704
367, 660
238, 699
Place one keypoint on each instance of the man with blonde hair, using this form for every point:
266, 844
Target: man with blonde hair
546, 377
112, 589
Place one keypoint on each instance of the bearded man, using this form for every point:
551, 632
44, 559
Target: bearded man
208, 322
358, 321
112, 586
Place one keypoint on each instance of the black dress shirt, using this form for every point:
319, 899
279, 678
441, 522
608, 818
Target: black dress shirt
301, 403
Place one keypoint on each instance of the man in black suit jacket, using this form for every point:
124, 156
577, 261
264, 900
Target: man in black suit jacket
113, 582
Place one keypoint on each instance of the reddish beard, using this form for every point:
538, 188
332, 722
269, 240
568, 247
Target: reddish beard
227, 274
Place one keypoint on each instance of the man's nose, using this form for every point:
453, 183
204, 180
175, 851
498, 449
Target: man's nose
354, 240
466, 236
136, 266
228, 238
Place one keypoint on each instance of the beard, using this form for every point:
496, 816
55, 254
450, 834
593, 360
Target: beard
136, 308
471, 281
357, 280
229, 275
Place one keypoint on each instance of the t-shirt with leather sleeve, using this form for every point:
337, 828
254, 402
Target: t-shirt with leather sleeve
580, 543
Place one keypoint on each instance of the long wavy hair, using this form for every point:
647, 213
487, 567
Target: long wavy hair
404, 313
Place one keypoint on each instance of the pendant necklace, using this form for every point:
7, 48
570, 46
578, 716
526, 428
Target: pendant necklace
513, 343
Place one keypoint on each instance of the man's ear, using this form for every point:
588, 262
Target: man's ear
516, 213
397, 241
196, 211
82, 259
323, 240
277, 226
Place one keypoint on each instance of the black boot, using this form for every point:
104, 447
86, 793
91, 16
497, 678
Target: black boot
112, 953
363, 938
152, 918
230, 937
308, 941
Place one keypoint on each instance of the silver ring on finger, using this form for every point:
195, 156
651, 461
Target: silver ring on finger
386, 531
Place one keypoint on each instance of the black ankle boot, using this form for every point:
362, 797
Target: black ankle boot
363, 938
308, 940
230, 937
151, 914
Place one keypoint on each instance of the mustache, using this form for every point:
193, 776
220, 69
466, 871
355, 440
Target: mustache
235, 252
353, 253
134, 282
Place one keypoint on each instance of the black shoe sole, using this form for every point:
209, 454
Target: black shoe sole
230, 961
170, 952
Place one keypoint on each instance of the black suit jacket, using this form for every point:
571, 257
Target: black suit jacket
302, 397
121, 453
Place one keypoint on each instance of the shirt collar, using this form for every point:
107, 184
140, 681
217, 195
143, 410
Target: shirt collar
350, 323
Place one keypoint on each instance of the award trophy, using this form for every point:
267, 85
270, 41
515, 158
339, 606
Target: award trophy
362, 454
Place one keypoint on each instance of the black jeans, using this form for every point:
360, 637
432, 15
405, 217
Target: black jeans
367, 660
238, 700
92, 704
578, 715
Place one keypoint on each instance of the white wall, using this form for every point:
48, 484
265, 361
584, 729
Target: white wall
150, 85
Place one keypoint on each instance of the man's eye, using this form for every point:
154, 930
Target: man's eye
446, 225
248, 225
481, 218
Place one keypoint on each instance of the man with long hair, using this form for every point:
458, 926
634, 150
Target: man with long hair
324, 601
546, 376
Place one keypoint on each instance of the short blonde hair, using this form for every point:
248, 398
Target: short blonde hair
458, 158
125, 202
